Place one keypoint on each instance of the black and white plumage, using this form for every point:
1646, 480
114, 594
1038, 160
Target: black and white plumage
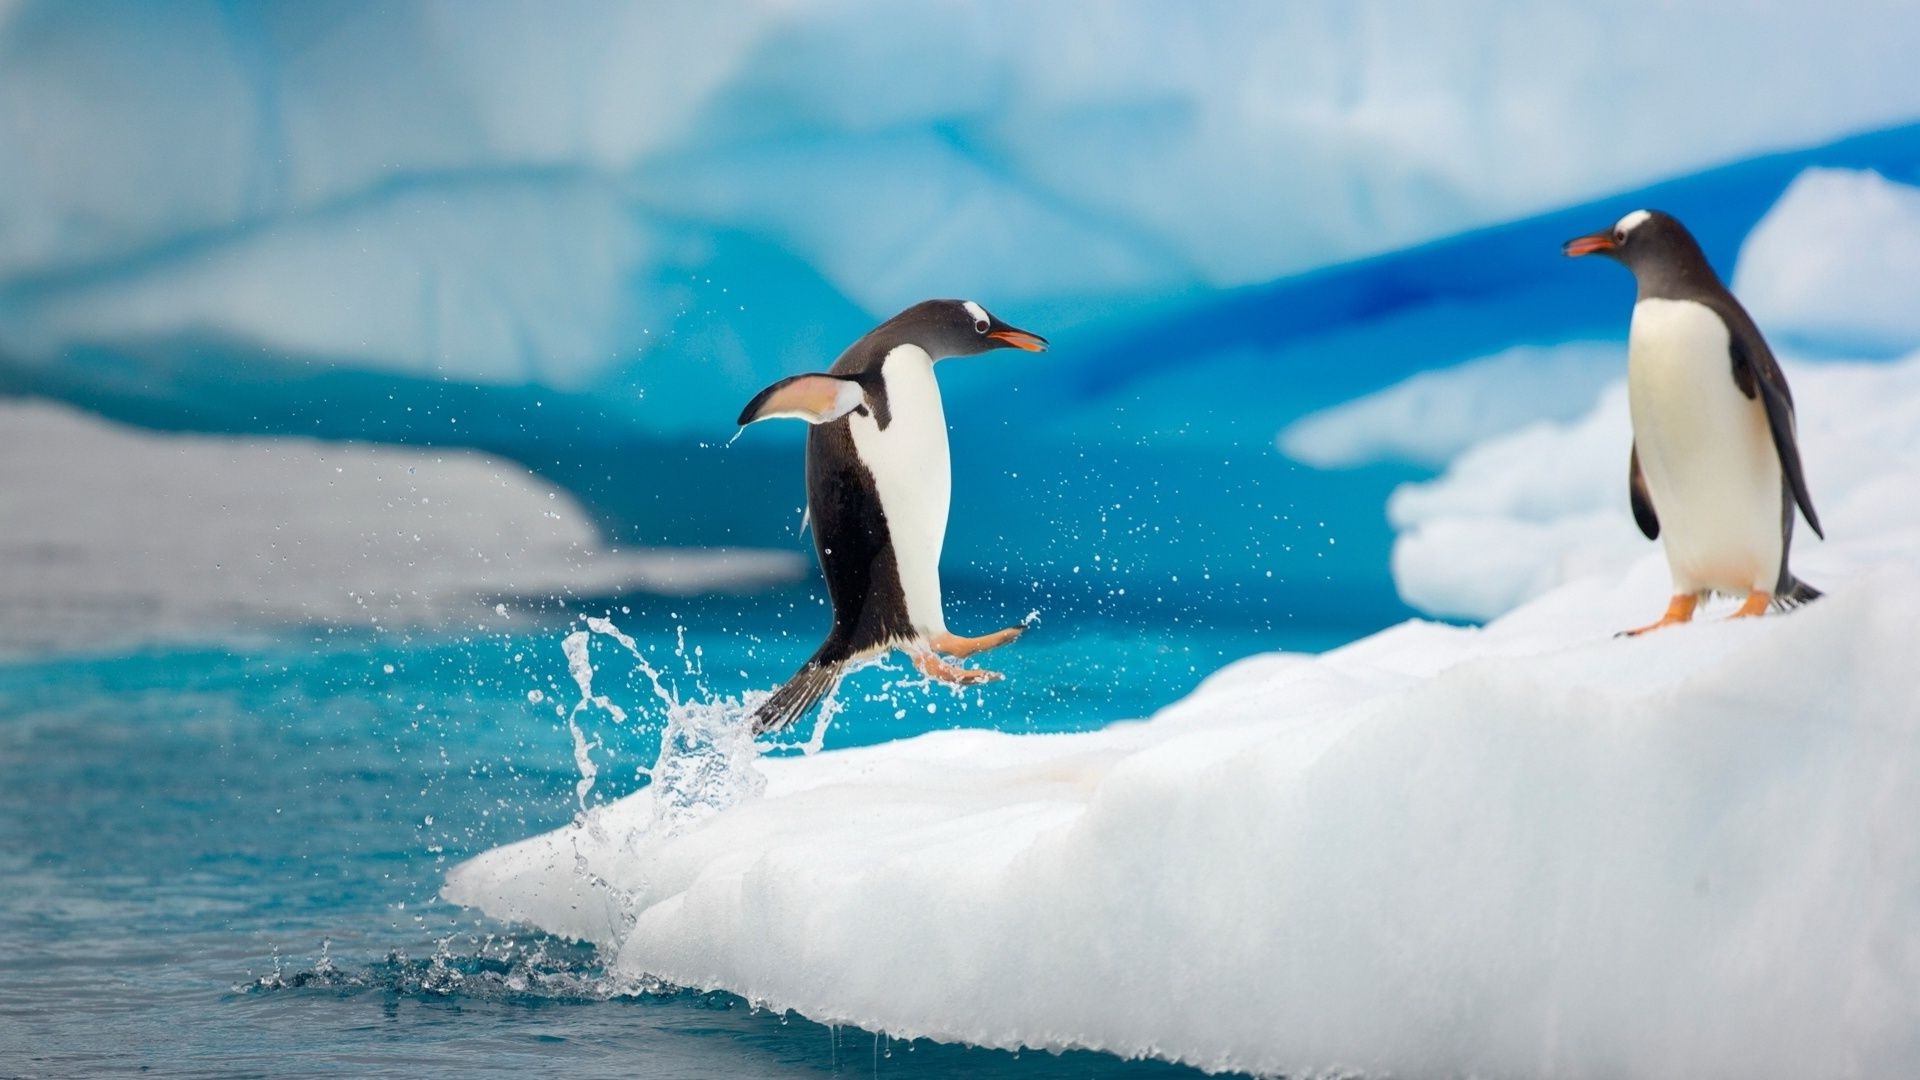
879, 483
1714, 472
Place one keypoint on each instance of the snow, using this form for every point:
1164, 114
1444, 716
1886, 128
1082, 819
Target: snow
1830, 266
473, 193
115, 535
1429, 418
1528, 849
1519, 515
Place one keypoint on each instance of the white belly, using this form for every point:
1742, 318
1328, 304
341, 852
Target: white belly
913, 472
1705, 449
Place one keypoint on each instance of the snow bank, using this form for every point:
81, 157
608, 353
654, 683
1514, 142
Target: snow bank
476, 193
1518, 515
114, 535
1431, 417
1528, 849
1836, 263
1525, 849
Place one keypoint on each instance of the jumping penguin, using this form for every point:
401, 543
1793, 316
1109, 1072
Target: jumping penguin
1714, 472
879, 481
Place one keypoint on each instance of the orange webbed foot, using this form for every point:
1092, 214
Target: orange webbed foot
933, 667
1679, 610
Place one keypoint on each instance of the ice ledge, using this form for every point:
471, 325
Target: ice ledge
1528, 849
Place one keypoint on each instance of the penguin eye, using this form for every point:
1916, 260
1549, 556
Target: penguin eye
980, 326
1619, 236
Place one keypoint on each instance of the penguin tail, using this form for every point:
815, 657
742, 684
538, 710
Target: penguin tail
800, 694
1795, 594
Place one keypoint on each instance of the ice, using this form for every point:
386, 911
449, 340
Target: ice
1831, 266
115, 535
479, 195
503, 283
1518, 515
1524, 849
1429, 418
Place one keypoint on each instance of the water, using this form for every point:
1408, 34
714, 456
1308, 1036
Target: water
225, 860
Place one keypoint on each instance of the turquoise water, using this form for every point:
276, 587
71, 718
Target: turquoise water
224, 859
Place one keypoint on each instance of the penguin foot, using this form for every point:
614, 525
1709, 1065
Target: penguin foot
952, 674
962, 647
1679, 610
1756, 606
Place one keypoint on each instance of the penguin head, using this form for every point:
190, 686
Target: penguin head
1643, 240
947, 328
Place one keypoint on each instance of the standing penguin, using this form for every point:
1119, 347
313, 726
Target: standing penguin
1714, 472
879, 481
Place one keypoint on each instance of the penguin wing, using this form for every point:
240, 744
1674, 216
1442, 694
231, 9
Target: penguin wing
1756, 372
1643, 514
816, 398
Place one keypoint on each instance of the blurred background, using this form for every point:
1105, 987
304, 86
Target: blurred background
353, 352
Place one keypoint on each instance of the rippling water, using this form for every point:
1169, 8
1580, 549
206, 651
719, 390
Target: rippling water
225, 860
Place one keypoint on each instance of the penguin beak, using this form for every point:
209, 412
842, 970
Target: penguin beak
1019, 339
1591, 244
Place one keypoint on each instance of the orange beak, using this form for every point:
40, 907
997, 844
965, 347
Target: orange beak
1590, 244
1020, 339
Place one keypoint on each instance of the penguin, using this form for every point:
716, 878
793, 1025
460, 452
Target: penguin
1714, 471
879, 481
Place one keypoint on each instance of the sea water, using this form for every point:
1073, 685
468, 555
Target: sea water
225, 859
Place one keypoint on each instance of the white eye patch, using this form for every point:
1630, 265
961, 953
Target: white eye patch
1628, 223
979, 313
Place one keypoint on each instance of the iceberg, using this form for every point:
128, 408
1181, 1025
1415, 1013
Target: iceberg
1524, 849
117, 536
1825, 269
480, 196
1430, 417
1519, 515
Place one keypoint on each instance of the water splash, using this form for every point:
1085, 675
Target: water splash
488, 968
707, 752
706, 763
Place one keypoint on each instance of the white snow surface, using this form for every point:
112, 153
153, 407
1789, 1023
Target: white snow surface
1834, 263
1521, 514
1429, 418
1526, 849
477, 192
115, 535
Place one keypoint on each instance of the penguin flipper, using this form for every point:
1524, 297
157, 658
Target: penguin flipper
816, 398
1643, 514
1755, 370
